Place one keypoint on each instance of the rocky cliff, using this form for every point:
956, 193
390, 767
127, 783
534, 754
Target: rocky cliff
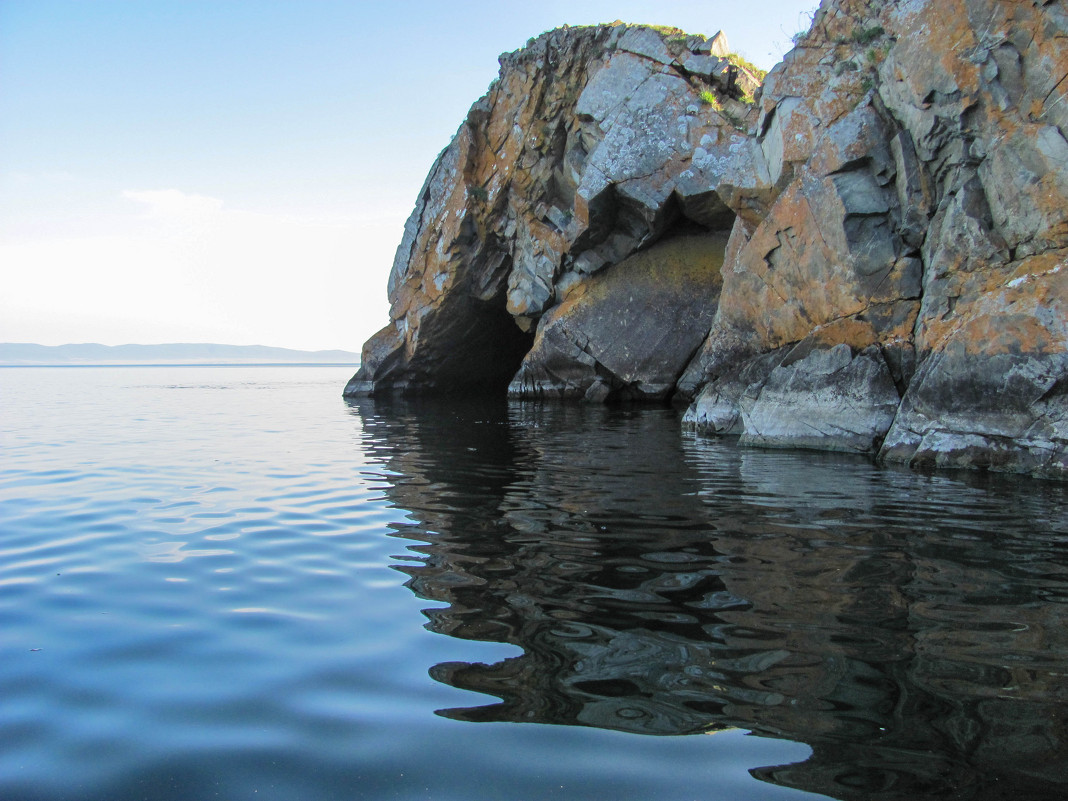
867, 252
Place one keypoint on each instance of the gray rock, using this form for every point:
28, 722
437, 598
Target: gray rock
610, 87
773, 143
647, 43
1000, 411
1025, 177
708, 67
723, 403
628, 332
829, 400
718, 45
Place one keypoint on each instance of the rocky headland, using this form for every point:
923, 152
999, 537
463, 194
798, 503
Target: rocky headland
865, 250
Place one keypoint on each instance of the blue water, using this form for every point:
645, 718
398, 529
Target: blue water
231, 583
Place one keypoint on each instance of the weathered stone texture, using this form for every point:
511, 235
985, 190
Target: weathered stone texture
920, 165
593, 144
894, 281
627, 333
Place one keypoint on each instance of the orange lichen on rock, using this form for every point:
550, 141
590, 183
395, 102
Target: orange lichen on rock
894, 278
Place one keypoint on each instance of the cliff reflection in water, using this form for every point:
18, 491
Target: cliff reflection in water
909, 628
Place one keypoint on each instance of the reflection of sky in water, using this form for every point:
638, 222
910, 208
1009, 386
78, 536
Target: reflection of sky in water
908, 627
176, 552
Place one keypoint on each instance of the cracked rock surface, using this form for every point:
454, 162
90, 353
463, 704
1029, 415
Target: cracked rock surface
869, 252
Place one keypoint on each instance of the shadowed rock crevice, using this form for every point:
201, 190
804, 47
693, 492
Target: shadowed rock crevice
491, 348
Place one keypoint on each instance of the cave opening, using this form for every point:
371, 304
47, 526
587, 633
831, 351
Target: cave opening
695, 215
493, 348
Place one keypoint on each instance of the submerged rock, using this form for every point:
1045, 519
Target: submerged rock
894, 279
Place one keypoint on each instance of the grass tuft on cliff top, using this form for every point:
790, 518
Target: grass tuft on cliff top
740, 61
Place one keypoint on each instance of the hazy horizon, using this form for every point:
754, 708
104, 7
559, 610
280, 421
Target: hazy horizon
29, 354
165, 344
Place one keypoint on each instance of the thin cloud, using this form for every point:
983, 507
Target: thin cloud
180, 264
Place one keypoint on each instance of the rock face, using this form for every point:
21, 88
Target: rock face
895, 278
592, 145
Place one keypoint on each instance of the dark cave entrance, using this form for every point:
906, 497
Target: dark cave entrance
696, 214
493, 348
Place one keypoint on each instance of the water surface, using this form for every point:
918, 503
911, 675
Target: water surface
230, 583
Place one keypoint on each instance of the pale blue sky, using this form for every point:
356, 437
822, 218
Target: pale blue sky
240, 171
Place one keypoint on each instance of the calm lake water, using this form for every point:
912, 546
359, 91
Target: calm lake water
230, 583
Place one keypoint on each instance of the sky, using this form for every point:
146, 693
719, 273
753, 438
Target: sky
240, 171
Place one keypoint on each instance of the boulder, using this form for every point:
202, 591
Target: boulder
629, 332
832, 391
830, 399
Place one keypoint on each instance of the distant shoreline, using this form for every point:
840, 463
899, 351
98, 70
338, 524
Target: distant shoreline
187, 364
172, 354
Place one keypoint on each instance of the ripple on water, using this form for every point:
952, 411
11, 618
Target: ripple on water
247, 588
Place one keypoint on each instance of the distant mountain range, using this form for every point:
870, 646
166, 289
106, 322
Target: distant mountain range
25, 354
